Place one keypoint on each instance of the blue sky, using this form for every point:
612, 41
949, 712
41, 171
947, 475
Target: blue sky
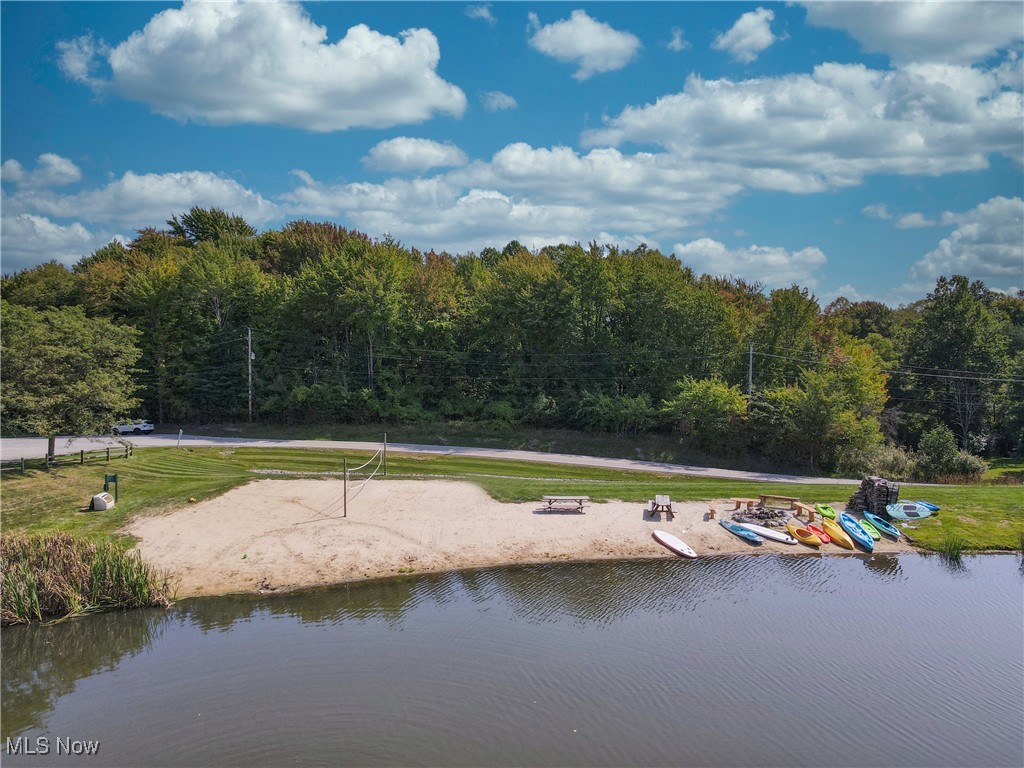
858, 149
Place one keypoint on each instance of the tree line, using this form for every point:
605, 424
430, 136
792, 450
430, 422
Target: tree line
348, 328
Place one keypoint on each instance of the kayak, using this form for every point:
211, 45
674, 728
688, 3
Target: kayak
803, 535
769, 533
837, 534
825, 511
928, 505
674, 543
740, 531
818, 531
907, 510
872, 531
857, 533
882, 525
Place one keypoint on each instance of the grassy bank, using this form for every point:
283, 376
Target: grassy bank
57, 575
985, 517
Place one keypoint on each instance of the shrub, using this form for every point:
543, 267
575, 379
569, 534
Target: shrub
887, 460
938, 459
936, 453
706, 413
614, 413
58, 575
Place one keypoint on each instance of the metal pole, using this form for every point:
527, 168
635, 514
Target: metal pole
249, 360
344, 465
750, 372
385, 454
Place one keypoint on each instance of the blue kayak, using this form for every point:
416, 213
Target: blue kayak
858, 534
742, 532
928, 505
907, 510
887, 528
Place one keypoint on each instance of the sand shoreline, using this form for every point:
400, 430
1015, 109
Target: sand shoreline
286, 535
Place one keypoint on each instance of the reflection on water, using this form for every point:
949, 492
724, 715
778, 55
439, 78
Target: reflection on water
41, 664
886, 566
658, 662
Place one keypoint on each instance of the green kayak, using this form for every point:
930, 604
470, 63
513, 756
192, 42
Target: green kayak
825, 511
872, 531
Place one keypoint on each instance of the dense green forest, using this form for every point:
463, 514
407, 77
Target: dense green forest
347, 328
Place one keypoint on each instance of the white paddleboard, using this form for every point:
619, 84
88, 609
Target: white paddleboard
769, 533
674, 543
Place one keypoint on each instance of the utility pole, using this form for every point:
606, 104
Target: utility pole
250, 373
750, 372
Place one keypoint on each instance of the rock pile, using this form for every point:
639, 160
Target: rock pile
769, 517
874, 494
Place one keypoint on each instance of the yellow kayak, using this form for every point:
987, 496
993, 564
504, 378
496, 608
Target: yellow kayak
802, 535
837, 534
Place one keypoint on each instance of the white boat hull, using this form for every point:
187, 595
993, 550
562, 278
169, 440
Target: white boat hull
674, 543
771, 534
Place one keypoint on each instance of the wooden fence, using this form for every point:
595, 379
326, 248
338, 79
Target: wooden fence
81, 457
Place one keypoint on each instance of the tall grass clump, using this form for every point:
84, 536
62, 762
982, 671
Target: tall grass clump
952, 547
57, 575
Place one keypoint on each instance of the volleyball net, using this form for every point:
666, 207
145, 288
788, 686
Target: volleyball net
357, 478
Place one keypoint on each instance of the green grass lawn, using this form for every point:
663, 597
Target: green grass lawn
987, 516
1005, 471
649, 446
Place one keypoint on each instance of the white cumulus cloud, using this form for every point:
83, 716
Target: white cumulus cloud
833, 126
677, 43
914, 220
228, 63
134, 201
495, 101
482, 12
749, 36
775, 267
28, 239
543, 194
592, 45
957, 32
51, 171
986, 245
409, 154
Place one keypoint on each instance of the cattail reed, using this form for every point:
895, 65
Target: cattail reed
56, 575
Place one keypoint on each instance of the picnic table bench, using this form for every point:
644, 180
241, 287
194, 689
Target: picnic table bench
661, 504
805, 508
561, 501
790, 500
748, 503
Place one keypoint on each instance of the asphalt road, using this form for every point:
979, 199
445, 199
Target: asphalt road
35, 447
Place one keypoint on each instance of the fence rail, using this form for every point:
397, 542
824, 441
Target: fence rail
80, 457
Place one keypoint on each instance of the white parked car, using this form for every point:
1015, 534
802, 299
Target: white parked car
133, 428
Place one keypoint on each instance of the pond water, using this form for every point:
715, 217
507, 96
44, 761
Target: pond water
749, 660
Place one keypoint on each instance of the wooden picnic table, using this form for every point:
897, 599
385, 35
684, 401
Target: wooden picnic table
661, 504
577, 501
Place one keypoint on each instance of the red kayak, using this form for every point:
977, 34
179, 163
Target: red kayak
817, 531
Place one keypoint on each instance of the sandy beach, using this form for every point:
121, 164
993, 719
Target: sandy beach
280, 535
